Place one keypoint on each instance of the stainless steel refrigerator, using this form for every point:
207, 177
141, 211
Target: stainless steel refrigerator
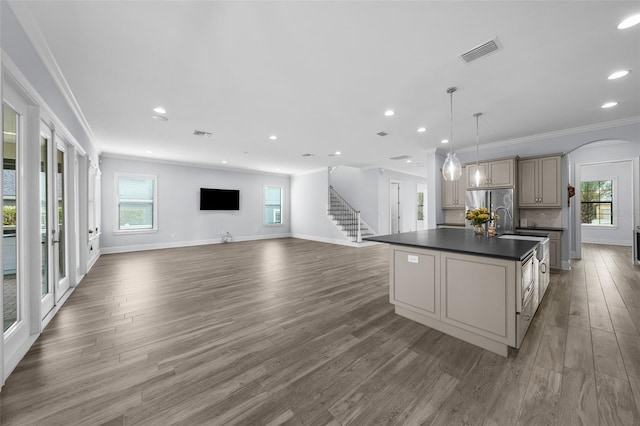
501, 200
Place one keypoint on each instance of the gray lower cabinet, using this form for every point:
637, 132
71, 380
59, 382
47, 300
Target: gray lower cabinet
555, 250
416, 275
475, 292
469, 297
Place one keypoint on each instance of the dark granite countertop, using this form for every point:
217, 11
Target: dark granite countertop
460, 241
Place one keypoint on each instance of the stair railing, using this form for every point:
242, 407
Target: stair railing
347, 210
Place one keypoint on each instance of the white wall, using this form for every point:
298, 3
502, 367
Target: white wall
604, 157
180, 221
408, 200
360, 189
309, 199
621, 233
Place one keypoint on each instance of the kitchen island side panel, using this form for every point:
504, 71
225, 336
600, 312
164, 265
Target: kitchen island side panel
479, 295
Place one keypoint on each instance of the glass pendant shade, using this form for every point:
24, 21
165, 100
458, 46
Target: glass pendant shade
452, 169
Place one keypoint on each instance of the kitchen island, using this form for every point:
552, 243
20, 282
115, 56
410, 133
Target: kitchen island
476, 288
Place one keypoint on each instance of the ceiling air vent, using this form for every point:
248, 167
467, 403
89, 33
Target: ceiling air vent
400, 157
480, 51
202, 133
382, 133
307, 155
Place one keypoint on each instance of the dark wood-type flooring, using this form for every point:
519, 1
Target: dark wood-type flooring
290, 331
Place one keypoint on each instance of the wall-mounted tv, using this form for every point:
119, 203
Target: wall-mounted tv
219, 199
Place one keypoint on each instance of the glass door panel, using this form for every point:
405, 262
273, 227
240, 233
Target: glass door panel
45, 245
60, 231
12, 297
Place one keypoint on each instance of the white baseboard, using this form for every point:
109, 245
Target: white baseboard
159, 246
334, 241
607, 242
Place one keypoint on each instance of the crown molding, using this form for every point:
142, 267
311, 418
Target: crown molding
556, 134
30, 27
188, 164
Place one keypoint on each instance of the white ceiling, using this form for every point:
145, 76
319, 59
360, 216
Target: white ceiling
320, 75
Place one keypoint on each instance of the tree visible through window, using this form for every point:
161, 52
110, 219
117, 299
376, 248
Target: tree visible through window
136, 203
272, 205
596, 202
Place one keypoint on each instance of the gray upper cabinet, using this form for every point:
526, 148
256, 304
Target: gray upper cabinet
539, 182
498, 173
453, 192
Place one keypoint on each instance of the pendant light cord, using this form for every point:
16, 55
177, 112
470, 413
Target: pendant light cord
477, 116
451, 121
450, 91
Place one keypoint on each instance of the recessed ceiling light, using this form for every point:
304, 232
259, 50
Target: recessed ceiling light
338, 153
273, 137
278, 170
224, 161
629, 22
408, 161
422, 129
149, 151
444, 141
609, 105
160, 117
160, 110
389, 112
618, 74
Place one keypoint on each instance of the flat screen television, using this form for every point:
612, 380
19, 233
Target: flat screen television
219, 199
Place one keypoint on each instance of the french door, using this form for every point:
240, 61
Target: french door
53, 218
59, 232
47, 285
16, 307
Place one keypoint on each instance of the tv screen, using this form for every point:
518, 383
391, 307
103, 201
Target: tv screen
219, 199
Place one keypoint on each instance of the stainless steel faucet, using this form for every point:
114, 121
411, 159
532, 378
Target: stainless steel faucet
505, 209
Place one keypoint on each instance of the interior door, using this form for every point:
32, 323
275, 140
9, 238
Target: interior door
59, 230
47, 285
394, 207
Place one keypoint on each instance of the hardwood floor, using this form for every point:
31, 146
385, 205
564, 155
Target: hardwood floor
297, 332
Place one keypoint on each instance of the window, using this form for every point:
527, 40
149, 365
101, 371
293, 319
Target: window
136, 203
596, 206
273, 205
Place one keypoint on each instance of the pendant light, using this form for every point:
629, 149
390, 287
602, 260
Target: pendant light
478, 176
452, 169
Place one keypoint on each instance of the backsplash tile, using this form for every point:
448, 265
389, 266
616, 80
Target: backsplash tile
541, 218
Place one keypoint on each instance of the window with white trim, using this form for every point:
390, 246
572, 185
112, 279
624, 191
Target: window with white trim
597, 202
136, 203
272, 205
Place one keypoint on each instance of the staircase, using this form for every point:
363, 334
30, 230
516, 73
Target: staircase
346, 218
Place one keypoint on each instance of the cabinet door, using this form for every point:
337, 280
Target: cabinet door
449, 194
416, 281
554, 254
500, 173
527, 183
478, 294
471, 171
550, 180
461, 189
